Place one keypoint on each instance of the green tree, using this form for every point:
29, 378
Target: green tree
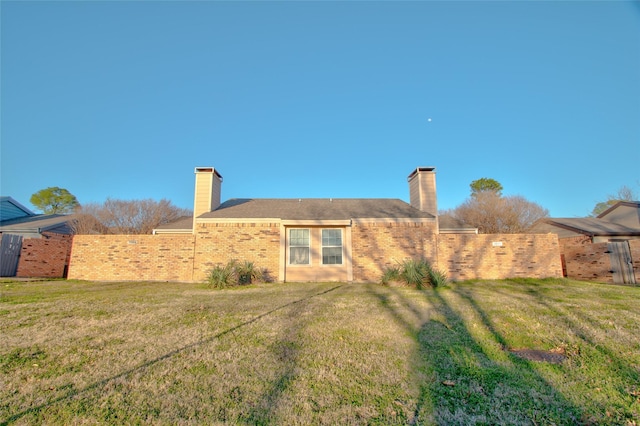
484, 185
624, 194
54, 200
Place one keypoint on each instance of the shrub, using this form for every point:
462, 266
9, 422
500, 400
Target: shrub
235, 273
390, 274
247, 273
437, 277
416, 273
222, 276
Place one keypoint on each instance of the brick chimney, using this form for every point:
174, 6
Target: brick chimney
422, 190
207, 192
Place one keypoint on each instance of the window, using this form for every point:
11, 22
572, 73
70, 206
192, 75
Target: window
298, 246
332, 247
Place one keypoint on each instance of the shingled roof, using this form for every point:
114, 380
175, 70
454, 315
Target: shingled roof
632, 204
591, 226
37, 223
316, 209
184, 224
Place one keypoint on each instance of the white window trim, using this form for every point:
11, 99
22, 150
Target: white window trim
289, 246
322, 246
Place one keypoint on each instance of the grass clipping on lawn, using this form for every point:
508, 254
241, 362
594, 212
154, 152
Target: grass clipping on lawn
331, 353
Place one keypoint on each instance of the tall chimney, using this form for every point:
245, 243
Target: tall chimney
207, 192
422, 190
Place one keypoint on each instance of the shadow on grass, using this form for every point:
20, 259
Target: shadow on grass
468, 378
277, 387
607, 359
287, 350
562, 316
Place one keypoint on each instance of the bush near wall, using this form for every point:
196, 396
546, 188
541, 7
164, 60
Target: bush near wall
377, 246
220, 242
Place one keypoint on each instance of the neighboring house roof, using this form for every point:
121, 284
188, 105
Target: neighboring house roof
11, 209
37, 224
180, 225
620, 220
588, 226
451, 225
316, 209
632, 204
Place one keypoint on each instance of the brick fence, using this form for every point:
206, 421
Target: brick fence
46, 257
187, 257
584, 260
132, 257
496, 256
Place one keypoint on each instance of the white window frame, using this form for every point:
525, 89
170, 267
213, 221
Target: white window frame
323, 246
307, 246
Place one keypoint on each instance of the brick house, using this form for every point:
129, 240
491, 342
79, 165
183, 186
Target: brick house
33, 245
306, 239
302, 239
603, 248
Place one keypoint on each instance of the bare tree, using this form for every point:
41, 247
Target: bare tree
493, 214
85, 220
127, 216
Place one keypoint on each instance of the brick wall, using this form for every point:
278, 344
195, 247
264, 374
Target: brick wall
377, 246
634, 246
45, 257
496, 256
132, 257
584, 260
217, 243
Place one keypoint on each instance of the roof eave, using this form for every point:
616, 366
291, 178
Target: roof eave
618, 204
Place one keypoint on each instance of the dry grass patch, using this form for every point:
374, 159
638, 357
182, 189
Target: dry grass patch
331, 353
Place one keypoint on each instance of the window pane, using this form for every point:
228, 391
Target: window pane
299, 237
299, 256
331, 237
332, 255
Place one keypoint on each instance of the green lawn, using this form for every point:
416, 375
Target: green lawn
331, 353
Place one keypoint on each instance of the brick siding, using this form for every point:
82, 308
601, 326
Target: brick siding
634, 246
584, 260
45, 257
217, 243
375, 246
132, 257
496, 256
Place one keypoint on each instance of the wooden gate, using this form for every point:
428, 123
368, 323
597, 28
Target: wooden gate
621, 262
9, 254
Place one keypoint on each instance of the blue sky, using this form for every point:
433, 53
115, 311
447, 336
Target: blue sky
321, 99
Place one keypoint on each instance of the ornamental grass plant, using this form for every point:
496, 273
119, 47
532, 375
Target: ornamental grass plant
415, 273
235, 273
